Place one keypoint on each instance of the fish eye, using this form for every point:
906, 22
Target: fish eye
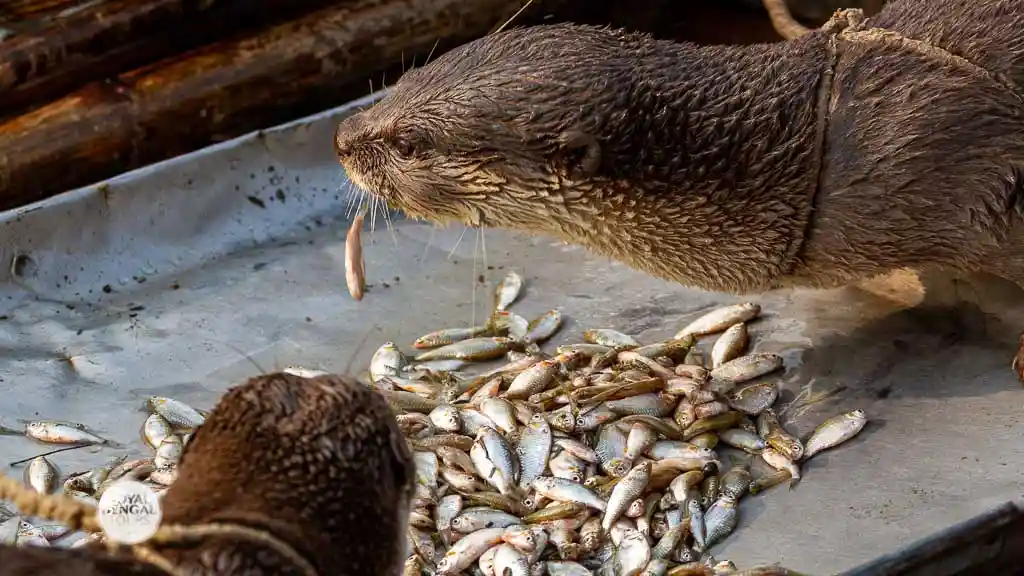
581, 422
576, 478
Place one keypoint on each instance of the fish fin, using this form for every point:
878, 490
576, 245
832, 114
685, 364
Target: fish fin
5, 431
793, 482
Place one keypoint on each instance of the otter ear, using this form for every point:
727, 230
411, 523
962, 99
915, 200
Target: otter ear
581, 152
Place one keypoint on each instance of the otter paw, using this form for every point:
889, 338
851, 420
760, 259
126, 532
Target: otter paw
1018, 361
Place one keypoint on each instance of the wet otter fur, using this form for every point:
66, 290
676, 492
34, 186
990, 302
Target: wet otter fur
854, 151
319, 463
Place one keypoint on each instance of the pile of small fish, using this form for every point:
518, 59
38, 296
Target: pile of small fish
166, 430
599, 459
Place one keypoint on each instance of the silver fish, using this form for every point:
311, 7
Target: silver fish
387, 361
746, 368
664, 449
168, 453
511, 562
494, 460
611, 447
41, 475
729, 345
533, 450
652, 404
473, 349
835, 431
303, 372
742, 439
448, 508
625, 491
544, 326
577, 449
446, 417
595, 417
668, 543
179, 415
472, 421
641, 438
54, 432
501, 412
609, 337
567, 491
633, 553
720, 520
566, 568
697, 524
508, 291
480, 517
517, 326
778, 460
720, 319
532, 380
466, 551
449, 336
753, 399
584, 348
155, 430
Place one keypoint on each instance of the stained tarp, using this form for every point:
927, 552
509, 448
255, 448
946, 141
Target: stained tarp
163, 280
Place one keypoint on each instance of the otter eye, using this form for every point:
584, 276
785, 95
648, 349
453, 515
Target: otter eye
405, 147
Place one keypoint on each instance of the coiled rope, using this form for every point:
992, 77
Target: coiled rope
78, 515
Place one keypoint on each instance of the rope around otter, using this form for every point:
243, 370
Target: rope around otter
80, 516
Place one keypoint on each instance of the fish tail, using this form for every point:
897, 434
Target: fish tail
5, 431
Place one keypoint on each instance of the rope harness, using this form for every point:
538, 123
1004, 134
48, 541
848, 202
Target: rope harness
78, 515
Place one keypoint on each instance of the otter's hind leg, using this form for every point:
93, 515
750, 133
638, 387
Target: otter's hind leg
1008, 302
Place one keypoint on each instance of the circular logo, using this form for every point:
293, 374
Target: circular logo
129, 512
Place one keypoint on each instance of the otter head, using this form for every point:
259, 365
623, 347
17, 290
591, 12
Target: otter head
506, 131
318, 463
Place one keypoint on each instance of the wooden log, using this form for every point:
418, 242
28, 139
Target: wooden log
224, 90
92, 41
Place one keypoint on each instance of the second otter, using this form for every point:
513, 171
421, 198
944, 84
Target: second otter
856, 150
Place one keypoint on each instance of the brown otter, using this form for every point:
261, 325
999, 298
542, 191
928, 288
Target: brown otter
858, 149
318, 463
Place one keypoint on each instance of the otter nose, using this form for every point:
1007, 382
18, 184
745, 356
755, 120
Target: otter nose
345, 136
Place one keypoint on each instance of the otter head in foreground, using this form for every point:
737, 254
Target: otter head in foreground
640, 149
318, 463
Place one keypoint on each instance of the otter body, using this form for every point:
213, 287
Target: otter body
318, 463
853, 151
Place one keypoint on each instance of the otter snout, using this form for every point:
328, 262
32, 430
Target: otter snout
344, 137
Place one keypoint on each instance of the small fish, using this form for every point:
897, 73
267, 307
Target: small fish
435, 366
710, 489
41, 475
720, 520
408, 402
508, 291
446, 417
533, 450
566, 568
712, 424
478, 518
729, 345
720, 319
743, 369
467, 550
532, 380
767, 481
448, 508
779, 461
753, 399
449, 336
501, 412
697, 524
743, 439
387, 361
675, 350
835, 431
303, 372
511, 562
155, 430
566, 491
706, 440
493, 460
587, 349
473, 349
663, 449
544, 326
54, 432
609, 337
633, 553
168, 453
769, 428
577, 449
640, 439
355, 266
179, 415
709, 409
736, 482
626, 490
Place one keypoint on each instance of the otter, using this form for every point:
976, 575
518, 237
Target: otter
861, 148
318, 463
